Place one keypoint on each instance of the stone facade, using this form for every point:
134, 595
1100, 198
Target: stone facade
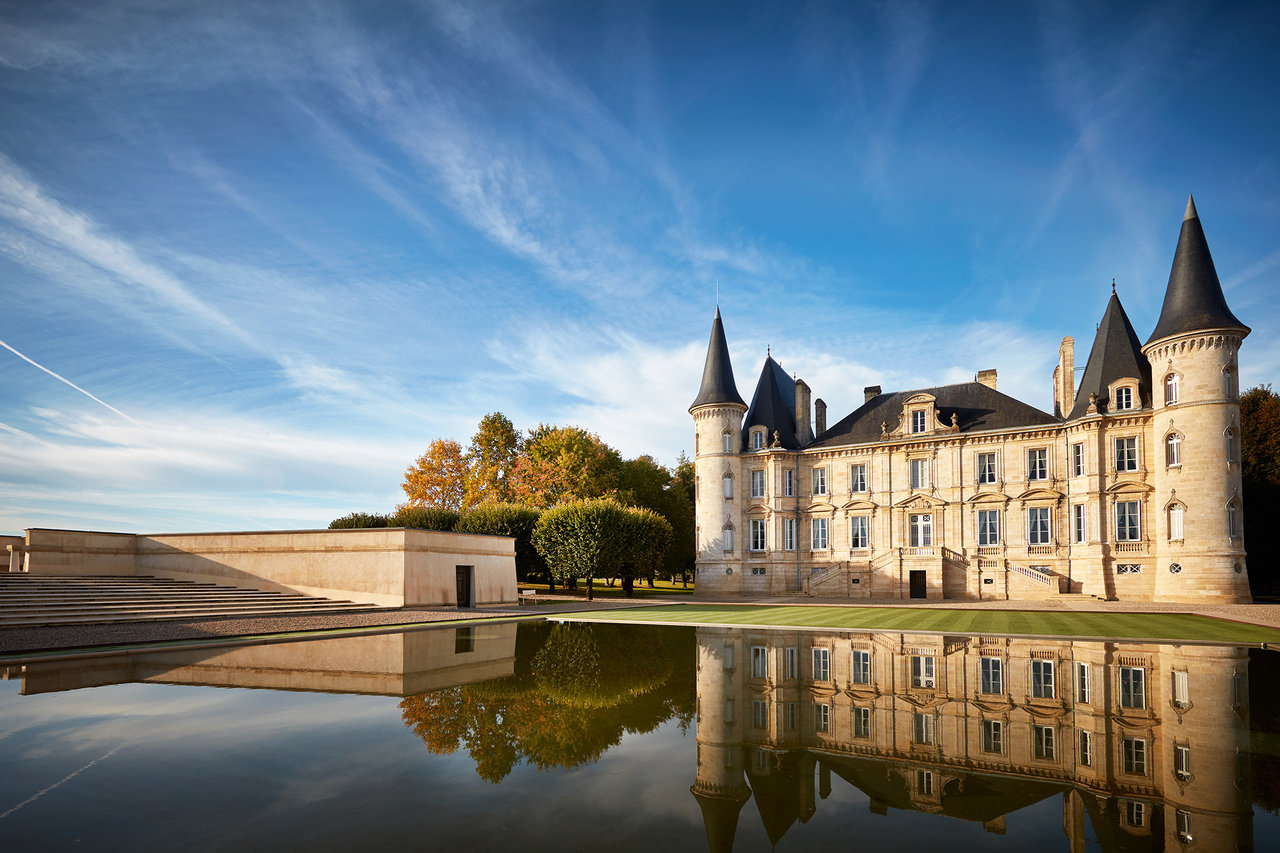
1129, 490
1146, 740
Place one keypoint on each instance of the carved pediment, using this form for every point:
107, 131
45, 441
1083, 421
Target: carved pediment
820, 505
858, 504
924, 700
920, 501
758, 509
1129, 487
1040, 494
988, 498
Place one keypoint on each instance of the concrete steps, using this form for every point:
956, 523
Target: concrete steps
37, 600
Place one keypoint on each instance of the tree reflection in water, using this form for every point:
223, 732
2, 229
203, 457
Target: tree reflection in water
576, 690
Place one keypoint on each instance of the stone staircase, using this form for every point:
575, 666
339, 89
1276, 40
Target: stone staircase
36, 600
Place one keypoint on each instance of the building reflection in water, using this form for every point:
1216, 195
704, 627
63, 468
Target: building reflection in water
1147, 743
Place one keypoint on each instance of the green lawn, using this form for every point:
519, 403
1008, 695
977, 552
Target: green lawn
599, 589
1130, 626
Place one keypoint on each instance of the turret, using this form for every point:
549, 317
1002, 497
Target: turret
1196, 431
717, 416
720, 786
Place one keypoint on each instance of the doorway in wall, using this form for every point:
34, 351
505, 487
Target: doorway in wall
918, 584
465, 591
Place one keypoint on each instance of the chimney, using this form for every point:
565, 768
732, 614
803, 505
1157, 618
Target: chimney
869, 392
1064, 377
802, 411
819, 416
988, 378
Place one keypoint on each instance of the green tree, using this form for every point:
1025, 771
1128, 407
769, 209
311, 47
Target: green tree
1260, 476
647, 535
491, 458
516, 521
358, 520
438, 477
562, 464
425, 518
583, 539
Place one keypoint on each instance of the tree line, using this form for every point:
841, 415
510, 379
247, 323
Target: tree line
575, 507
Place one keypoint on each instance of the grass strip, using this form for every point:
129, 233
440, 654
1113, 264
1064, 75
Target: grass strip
1172, 627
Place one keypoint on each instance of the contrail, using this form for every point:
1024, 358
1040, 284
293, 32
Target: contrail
73, 773
69, 382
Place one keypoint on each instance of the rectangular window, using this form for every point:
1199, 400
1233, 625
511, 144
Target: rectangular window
821, 664
1134, 751
729, 711
1135, 814
992, 676
988, 527
1084, 756
1181, 691
789, 483
759, 714
992, 736
1043, 741
1126, 454
1182, 761
726, 441
921, 531
1171, 389
1173, 450
759, 662
1038, 464
919, 473
757, 484
1042, 686
792, 716
1077, 460
757, 534
924, 782
1175, 522
857, 478
728, 486
986, 468
1079, 531
790, 665
862, 722
788, 534
861, 666
924, 728
1124, 398
757, 439
1083, 685
819, 481
1133, 687
1183, 822
922, 674
1038, 526
728, 538
819, 542
917, 422
858, 532
822, 717
1127, 527
1233, 521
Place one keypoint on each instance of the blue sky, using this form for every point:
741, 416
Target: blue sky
255, 257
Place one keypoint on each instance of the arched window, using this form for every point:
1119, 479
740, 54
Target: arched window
1171, 389
728, 487
728, 537
1173, 449
1175, 522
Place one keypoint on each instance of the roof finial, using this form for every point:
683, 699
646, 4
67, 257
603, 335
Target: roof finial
717, 294
768, 352
1113, 286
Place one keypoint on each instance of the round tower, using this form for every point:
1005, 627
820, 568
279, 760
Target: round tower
1197, 503
720, 786
717, 418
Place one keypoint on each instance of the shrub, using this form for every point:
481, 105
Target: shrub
516, 521
358, 520
425, 518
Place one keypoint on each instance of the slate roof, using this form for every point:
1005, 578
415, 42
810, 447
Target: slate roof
773, 406
1116, 354
717, 374
1193, 300
977, 406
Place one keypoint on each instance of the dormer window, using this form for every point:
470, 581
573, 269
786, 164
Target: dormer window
757, 439
1171, 388
1124, 399
917, 421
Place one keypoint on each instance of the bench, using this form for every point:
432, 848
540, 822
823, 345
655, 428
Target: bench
530, 595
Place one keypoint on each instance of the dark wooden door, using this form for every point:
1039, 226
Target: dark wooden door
918, 588
464, 586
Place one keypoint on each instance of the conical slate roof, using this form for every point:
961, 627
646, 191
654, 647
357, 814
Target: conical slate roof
720, 818
773, 406
1116, 354
1193, 300
717, 374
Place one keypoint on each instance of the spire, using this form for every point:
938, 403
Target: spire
1116, 354
1193, 301
717, 374
773, 406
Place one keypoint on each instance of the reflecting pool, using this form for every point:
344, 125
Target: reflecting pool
543, 736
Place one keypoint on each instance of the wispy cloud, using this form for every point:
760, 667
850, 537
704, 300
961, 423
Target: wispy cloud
64, 379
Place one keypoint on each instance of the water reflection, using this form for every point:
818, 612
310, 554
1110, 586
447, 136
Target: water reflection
1146, 744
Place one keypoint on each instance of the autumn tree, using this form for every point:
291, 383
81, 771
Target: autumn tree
491, 458
1260, 476
564, 463
438, 478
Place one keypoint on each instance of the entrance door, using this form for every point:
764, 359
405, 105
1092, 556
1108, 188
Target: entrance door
464, 586
918, 584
